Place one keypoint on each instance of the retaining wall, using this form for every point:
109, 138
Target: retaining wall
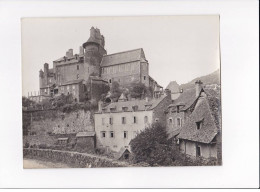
74, 159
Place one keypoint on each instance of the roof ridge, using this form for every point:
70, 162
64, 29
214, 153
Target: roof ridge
123, 52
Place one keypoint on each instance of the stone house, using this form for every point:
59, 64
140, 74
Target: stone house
177, 112
194, 120
118, 123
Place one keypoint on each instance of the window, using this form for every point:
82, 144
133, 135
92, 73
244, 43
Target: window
111, 134
77, 67
198, 125
77, 76
198, 152
110, 81
68, 87
103, 134
73, 86
124, 109
111, 121
179, 122
145, 119
103, 121
170, 120
178, 109
135, 119
125, 134
123, 120
144, 77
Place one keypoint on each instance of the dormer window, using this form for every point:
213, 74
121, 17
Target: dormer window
124, 109
112, 109
147, 106
135, 108
199, 124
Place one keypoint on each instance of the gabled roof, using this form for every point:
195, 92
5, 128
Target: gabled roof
173, 86
122, 57
186, 99
86, 134
73, 82
142, 105
207, 112
120, 153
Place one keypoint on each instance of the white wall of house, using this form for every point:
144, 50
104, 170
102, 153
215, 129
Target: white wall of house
102, 125
206, 150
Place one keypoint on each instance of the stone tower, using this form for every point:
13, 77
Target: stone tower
93, 52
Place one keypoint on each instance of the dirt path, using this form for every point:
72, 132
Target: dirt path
39, 164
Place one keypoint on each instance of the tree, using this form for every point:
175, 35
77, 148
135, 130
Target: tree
151, 146
139, 90
115, 90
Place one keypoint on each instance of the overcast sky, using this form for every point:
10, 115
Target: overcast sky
178, 48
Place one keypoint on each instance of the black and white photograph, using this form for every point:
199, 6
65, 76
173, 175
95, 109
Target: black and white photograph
109, 92
122, 94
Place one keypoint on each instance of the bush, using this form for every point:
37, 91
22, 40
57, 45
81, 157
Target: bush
151, 146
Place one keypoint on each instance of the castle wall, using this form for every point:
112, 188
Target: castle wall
124, 74
70, 72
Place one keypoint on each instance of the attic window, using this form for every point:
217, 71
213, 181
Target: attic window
124, 109
198, 124
135, 108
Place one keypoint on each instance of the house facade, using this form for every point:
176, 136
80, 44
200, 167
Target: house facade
118, 123
194, 121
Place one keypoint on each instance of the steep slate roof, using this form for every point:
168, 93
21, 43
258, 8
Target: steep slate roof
208, 113
186, 99
173, 86
142, 104
73, 82
122, 57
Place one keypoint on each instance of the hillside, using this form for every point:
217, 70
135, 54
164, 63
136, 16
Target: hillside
213, 78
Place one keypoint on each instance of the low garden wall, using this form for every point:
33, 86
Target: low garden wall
73, 159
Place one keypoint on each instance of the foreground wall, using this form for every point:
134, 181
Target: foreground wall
74, 159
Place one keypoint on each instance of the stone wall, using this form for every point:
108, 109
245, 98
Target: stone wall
160, 108
74, 159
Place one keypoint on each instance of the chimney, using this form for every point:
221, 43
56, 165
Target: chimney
41, 73
81, 50
100, 105
70, 53
198, 87
67, 53
46, 68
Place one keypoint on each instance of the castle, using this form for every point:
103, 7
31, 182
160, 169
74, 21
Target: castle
89, 73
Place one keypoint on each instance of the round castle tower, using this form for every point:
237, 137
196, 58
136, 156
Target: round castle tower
93, 52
